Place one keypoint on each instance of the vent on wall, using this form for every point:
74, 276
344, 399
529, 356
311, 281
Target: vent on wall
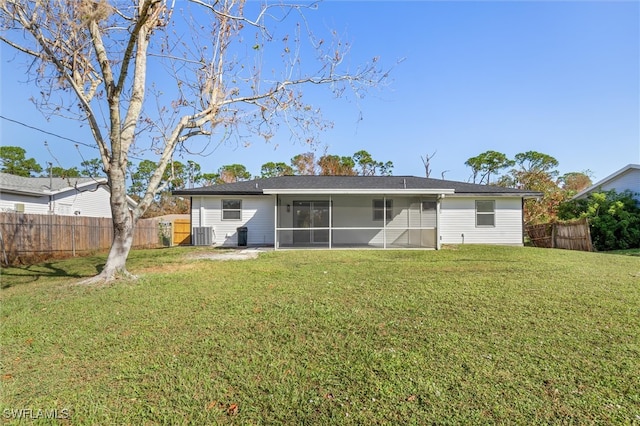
202, 236
19, 207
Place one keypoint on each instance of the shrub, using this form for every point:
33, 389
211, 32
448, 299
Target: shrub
614, 218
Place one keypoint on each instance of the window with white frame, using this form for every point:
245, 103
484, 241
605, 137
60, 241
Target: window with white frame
429, 206
379, 209
231, 209
64, 209
485, 213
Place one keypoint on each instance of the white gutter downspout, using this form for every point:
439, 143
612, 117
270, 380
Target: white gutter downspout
201, 212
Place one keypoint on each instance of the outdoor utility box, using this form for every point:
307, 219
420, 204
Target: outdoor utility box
242, 236
202, 236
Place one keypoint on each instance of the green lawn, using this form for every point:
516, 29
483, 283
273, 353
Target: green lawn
464, 335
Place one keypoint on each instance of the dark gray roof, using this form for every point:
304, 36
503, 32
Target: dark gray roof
41, 185
383, 183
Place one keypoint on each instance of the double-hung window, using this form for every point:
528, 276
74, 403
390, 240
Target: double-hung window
231, 209
485, 213
379, 207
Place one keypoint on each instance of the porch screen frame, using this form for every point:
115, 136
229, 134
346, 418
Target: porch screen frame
280, 204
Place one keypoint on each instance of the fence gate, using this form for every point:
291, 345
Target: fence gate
182, 232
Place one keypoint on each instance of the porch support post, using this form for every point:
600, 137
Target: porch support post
330, 219
275, 222
384, 221
438, 198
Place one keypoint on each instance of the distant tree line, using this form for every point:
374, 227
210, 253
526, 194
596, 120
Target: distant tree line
179, 175
614, 218
533, 171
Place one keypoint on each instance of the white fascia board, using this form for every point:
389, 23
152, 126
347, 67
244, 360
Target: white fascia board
24, 192
78, 186
496, 194
355, 191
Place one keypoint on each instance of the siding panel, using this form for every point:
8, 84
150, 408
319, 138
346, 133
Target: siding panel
257, 216
91, 201
32, 205
458, 219
630, 180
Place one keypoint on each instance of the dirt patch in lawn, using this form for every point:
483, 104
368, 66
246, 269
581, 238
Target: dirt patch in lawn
228, 254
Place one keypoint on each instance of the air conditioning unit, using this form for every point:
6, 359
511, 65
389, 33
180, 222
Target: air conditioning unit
19, 207
202, 236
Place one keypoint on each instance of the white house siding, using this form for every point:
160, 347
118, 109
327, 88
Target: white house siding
89, 202
458, 221
629, 180
257, 216
196, 203
32, 205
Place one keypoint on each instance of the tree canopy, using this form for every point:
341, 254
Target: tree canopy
221, 69
13, 160
486, 164
533, 171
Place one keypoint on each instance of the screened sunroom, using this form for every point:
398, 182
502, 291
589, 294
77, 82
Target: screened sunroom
356, 220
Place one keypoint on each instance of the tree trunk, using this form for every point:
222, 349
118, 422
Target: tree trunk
124, 221
120, 247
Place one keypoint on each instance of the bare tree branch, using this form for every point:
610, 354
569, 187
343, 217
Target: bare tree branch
156, 79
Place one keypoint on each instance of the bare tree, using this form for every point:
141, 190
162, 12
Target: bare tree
213, 77
426, 160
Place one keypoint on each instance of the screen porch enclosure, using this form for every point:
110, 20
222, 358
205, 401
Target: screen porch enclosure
355, 221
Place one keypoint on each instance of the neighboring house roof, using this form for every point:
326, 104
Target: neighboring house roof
172, 217
609, 180
305, 184
39, 186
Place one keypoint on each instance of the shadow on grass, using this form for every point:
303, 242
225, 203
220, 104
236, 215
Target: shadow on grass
629, 252
16, 275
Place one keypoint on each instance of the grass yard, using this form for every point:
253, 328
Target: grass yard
464, 335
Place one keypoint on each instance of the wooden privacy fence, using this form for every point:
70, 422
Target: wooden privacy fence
26, 238
573, 235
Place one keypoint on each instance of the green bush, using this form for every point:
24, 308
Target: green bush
614, 219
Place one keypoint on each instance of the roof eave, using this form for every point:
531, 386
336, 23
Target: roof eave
188, 193
598, 185
358, 191
78, 186
23, 192
526, 195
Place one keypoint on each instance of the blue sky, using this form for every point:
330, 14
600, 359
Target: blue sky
562, 78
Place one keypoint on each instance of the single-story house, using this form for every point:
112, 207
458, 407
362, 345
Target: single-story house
355, 211
625, 179
62, 196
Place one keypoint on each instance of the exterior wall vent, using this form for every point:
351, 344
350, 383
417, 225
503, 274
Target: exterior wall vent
202, 236
19, 207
